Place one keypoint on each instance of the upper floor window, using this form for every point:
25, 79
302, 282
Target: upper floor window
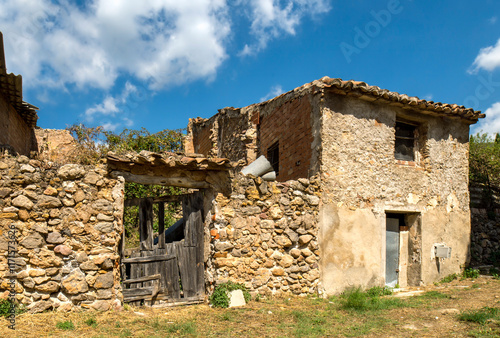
404, 149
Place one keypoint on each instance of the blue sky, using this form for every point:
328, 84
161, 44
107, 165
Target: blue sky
156, 63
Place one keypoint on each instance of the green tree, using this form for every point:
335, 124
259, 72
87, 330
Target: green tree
95, 142
484, 162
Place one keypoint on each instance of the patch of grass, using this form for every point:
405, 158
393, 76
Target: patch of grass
449, 278
182, 328
480, 316
226, 316
378, 291
485, 332
309, 324
475, 286
434, 295
220, 297
91, 322
355, 299
126, 333
66, 325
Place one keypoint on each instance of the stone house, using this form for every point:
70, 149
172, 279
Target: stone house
372, 189
17, 118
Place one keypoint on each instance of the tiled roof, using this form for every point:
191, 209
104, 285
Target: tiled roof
11, 86
166, 160
374, 93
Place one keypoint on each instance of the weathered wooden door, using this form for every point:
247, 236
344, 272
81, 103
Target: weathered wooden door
167, 271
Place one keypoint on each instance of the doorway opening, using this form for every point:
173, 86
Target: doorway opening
403, 247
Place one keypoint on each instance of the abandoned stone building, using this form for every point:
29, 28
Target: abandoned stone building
371, 188
379, 191
17, 118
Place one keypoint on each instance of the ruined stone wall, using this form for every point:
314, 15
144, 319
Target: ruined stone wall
362, 181
236, 135
243, 134
69, 222
265, 236
200, 138
14, 131
56, 145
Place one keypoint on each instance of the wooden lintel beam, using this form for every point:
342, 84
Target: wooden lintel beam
183, 182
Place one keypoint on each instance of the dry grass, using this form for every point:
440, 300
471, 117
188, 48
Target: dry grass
427, 315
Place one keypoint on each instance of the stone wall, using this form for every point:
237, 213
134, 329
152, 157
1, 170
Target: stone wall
14, 131
69, 222
265, 236
56, 145
485, 237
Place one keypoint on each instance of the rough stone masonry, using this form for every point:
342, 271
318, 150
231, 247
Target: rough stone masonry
69, 222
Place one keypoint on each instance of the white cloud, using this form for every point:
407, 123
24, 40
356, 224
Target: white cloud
162, 41
116, 108
487, 59
490, 124
275, 91
492, 20
273, 18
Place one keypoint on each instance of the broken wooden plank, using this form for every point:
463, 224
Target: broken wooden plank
161, 225
172, 276
148, 259
146, 224
144, 291
142, 279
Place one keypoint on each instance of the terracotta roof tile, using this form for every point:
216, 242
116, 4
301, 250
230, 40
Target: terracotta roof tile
355, 87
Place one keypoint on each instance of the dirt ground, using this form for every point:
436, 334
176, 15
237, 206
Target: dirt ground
424, 316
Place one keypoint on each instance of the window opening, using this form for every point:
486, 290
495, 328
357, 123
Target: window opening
273, 155
405, 142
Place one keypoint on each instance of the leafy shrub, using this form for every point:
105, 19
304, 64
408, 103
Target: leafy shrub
484, 162
5, 306
449, 278
470, 273
66, 325
220, 297
378, 291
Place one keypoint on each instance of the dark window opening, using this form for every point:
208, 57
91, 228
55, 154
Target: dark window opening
273, 155
405, 142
